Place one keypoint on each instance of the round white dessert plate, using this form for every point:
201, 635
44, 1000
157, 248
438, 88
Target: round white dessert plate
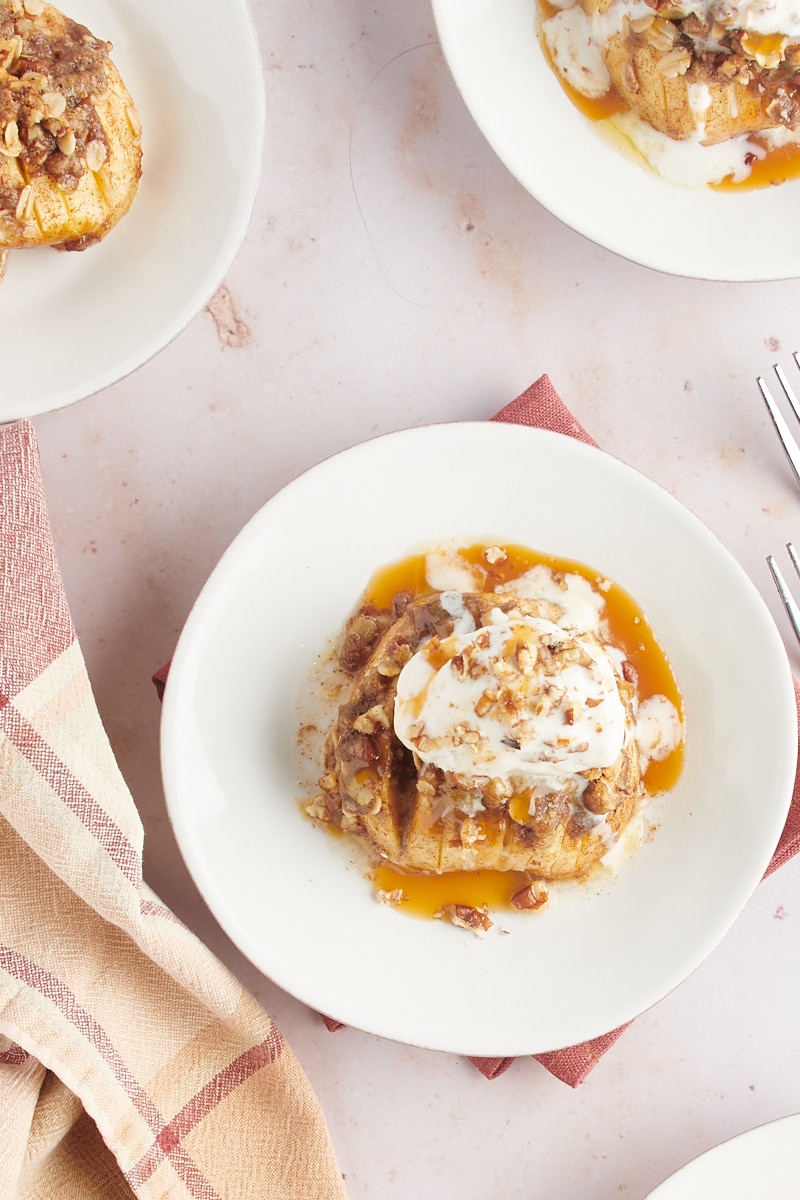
295, 900
762, 1162
553, 150
74, 323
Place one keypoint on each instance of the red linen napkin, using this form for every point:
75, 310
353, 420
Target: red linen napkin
541, 407
132, 1063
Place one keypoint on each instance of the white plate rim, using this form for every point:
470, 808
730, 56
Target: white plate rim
733, 1167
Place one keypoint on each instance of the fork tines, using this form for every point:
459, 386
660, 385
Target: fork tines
790, 445
786, 436
789, 602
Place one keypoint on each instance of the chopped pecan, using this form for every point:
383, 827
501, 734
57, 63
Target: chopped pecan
629, 672
531, 897
464, 916
371, 720
782, 108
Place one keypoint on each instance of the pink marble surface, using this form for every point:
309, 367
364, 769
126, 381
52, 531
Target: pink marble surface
394, 274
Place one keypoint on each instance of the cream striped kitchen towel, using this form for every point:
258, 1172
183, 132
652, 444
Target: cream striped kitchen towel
131, 1061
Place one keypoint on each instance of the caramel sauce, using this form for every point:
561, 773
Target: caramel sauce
519, 806
438, 657
424, 895
778, 166
765, 44
407, 575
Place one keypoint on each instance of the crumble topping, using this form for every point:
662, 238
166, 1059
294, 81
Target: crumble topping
48, 86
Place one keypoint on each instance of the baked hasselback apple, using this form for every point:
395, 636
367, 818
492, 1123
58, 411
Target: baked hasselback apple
703, 90
480, 734
492, 712
70, 137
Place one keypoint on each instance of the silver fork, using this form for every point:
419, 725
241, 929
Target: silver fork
789, 602
784, 433
792, 450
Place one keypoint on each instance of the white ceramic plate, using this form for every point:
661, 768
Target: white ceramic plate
286, 892
493, 53
764, 1162
71, 324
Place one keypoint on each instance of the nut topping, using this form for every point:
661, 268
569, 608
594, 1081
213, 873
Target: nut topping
530, 898
464, 916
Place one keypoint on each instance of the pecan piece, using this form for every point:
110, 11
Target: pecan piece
464, 916
531, 897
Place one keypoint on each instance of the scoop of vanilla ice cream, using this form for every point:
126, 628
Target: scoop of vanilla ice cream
520, 696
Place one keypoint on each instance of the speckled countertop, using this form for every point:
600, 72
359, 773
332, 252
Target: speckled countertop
394, 274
